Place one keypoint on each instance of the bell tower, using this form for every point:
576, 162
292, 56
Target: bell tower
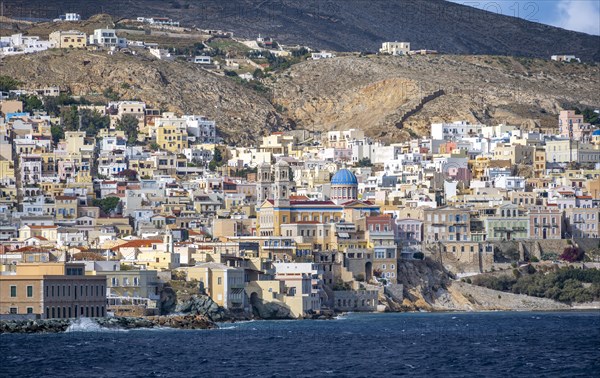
281, 185
263, 183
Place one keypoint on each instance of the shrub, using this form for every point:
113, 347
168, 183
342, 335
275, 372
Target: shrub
572, 254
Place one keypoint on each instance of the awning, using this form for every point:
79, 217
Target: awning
343, 235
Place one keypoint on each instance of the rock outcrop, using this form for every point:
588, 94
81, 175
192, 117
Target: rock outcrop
34, 326
270, 310
205, 306
427, 286
99, 324
376, 94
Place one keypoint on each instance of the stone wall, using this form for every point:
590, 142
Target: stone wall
362, 300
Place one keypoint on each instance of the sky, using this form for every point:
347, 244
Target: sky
578, 15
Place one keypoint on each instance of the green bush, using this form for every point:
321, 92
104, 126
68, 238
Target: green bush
564, 284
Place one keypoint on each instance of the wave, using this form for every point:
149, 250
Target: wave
89, 325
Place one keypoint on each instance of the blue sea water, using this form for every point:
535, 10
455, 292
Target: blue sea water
496, 344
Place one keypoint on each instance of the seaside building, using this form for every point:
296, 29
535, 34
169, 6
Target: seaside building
52, 290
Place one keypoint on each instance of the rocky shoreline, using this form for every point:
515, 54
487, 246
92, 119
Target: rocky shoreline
97, 324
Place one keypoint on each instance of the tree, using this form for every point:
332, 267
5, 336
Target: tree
216, 161
70, 118
154, 146
31, 103
92, 121
7, 83
58, 132
129, 124
108, 204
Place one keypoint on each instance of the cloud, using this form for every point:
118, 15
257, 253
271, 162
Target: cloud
578, 15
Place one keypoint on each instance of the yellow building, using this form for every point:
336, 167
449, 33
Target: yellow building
171, 138
70, 39
224, 284
47, 232
539, 162
7, 172
52, 290
144, 168
66, 207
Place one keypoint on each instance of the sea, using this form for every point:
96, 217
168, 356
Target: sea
493, 344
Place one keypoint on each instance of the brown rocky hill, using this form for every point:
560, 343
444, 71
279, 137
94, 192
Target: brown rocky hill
392, 98
241, 114
396, 97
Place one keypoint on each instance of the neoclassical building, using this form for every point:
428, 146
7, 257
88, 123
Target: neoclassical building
344, 187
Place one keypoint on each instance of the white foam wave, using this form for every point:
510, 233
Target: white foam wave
89, 325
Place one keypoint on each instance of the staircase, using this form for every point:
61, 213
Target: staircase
417, 108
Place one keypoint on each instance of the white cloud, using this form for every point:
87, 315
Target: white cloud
578, 15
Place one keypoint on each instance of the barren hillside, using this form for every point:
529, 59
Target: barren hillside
241, 114
385, 96
374, 93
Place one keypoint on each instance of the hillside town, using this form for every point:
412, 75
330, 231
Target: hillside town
123, 198
105, 207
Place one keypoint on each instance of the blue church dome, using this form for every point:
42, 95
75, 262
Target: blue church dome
596, 133
344, 177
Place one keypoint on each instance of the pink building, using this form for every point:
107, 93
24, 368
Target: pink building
571, 126
545, 222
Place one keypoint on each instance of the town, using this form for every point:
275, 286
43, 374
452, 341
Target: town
106, 207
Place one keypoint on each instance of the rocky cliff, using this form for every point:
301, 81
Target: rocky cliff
427, 286
392, 97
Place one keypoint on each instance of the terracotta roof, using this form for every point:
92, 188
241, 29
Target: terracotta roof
42, 227
138, 243
31, 249
65, 198
584, 197
299, 198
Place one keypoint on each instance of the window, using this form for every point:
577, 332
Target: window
13, 310
13, 292
29, 291
219, 281
30, 310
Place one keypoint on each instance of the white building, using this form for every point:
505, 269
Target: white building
202, 59
68, 17
160, 53
510, 183
565, 58
455, 130
395, 48
322, 55
301, 280
19, 44
203, 129
107, 38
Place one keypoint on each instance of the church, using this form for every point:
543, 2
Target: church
278, 209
